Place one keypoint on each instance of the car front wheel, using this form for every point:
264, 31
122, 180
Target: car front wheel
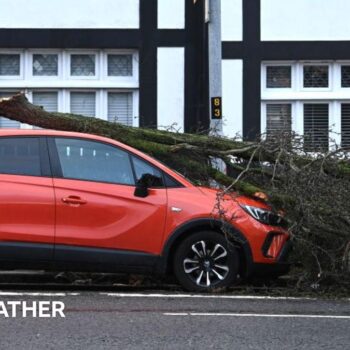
206, 261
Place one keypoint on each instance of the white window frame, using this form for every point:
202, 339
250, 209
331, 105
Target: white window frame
331, 111
135, 71
278, 64
338, 65
21, 125
301, 66
30, 93
334, 96
29, 64
135, 108
98, 101
335, 122
21, 65
64, 84
135, 104
67, 66
263, 123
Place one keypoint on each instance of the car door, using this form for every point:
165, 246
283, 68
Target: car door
27, 205
99, 220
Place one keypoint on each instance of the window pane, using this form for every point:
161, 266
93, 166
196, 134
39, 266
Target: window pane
146, 171
83, 65
120, 107
9, 64
120, 65
316, 76
7, 123
279, 77
45, 65
83, 103
279, 119
47, 100
94, 161
345, 76
170, 182
345, 125
20, 156
316, 127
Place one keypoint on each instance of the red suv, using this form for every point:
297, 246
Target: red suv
78, 202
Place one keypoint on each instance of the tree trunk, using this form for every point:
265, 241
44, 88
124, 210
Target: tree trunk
189, 154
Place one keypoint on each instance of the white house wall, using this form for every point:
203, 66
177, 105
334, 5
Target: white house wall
232, 97
231, 20
82, 14
171, 14
171, 87
303, 20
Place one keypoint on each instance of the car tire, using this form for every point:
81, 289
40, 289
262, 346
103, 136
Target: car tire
205, 261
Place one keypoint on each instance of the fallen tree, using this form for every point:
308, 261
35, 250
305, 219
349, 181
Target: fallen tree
313, 190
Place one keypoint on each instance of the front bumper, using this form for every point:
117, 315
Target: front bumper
281, 266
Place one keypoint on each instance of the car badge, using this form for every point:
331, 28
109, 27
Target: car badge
176, 210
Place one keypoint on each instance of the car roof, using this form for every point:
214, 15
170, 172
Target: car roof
57, 133
42, 132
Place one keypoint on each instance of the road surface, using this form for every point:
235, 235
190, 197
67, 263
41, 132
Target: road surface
106, 320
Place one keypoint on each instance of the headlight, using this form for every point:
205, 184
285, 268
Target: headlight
265, 216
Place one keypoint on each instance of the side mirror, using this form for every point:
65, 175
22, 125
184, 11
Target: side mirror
142, 185
147, 181
141, 190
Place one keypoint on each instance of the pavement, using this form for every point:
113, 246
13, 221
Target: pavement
165, 320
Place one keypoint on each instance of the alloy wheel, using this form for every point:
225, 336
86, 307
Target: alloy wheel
206, 263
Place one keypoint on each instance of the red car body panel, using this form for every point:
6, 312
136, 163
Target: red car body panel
27, 209
111, 218
35, 209
200, 202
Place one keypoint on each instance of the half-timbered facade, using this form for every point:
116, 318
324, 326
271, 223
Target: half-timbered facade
285, 64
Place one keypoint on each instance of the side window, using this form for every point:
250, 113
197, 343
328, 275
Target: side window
144, 170
20, 156
170, 182
94, 161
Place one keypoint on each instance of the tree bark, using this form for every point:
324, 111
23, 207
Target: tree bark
189, 154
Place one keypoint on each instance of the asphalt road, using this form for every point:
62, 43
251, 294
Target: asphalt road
97, 320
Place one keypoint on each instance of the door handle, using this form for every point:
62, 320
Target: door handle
75, 200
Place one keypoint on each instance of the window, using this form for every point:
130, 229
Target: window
82, 65
93, 83
316, 127
45, 65
20, 156
143, 169
47, 100
318, 91
316, 76
345, 76
120, 107
119, 65
279, 119
83, 103
278, 76
94, 161
170, 182
10, 64
8, 123
345, 125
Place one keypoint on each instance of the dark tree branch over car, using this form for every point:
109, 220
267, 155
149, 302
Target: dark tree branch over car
312, 189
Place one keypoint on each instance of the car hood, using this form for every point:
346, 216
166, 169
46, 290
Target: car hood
234, 196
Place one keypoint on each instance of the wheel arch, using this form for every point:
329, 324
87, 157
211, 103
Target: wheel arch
211, 224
